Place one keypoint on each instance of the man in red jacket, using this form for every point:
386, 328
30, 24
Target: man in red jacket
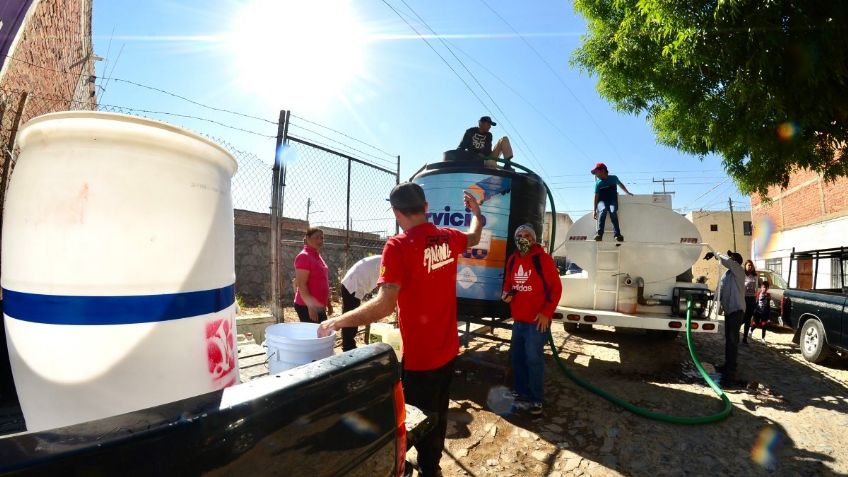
532, 289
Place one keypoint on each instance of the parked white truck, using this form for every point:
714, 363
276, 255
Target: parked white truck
634, 284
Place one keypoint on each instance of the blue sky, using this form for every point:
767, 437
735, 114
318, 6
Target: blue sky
359, 68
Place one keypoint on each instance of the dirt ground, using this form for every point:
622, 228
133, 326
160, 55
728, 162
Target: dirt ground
789, 417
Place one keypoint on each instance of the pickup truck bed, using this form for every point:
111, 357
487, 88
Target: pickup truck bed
820, 320
337, 416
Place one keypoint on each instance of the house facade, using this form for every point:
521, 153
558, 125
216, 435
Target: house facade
809, 214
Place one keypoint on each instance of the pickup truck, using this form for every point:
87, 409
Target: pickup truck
343, 415
819, 316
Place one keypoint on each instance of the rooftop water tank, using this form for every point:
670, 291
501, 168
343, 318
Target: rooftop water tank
508, 199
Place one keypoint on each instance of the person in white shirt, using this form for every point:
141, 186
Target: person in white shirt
357, 282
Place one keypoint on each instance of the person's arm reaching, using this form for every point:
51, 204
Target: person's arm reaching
624, 188
381, 306
595, 207
476, 227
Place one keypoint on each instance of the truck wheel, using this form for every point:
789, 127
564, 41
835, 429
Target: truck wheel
569, 327
813, 346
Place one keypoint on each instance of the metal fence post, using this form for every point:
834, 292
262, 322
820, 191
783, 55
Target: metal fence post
347, 218
275, 227
397, 181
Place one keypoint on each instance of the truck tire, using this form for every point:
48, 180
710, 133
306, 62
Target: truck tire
813, 345
569, 327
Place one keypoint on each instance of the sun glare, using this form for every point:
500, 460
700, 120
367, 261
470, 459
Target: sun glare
299, 55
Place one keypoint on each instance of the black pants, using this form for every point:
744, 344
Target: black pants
303, 314
732, 322
430, 392
750, 306
349, 302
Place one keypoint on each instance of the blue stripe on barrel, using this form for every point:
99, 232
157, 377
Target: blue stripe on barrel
114, 310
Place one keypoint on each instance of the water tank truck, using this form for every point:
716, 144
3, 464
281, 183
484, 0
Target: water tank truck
634, 284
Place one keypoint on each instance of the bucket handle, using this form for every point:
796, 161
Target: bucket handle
270, 356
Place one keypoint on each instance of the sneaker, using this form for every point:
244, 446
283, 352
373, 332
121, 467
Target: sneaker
520, 406
619, 238
598, 238
535, 409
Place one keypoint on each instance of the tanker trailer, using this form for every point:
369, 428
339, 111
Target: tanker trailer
634, 284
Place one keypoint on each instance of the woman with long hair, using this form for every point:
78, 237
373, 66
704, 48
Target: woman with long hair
312, 279
750, 297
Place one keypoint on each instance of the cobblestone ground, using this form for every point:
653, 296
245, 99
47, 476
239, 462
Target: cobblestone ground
789, 416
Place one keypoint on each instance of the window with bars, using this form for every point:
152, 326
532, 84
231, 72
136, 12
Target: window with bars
747, 229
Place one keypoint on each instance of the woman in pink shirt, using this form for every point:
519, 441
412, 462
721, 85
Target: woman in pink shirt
312, 280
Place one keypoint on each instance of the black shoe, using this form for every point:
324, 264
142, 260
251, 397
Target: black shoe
598, 237
619, 238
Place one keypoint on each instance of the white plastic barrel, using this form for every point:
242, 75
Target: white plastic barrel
117, 267
293, 344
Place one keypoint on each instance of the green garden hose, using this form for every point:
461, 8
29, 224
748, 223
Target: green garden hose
728, 407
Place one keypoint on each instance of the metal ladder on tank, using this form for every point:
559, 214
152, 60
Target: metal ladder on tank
608, 269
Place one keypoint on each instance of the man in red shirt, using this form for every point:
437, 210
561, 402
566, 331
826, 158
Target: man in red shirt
532, 289
418, 272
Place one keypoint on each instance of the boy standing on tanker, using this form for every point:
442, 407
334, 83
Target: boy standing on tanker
606, 195
418, 272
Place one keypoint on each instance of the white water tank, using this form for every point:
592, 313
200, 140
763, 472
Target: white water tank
659, 244
117, 267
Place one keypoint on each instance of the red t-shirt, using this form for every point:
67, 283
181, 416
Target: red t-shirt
423, 262
318, 282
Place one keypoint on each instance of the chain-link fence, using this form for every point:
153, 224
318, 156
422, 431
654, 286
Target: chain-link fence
343, 195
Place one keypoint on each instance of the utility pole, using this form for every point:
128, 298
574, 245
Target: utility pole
663, 185
308, 204
732, 222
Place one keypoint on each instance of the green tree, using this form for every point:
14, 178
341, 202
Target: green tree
761, 83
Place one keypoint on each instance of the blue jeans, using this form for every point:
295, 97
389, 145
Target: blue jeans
528, 360
612, 210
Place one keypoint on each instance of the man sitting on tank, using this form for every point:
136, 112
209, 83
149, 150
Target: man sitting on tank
477, 144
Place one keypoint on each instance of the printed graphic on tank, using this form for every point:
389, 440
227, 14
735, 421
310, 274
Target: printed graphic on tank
480, 272
221, 352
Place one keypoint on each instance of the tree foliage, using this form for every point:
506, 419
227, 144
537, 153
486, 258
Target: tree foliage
760, 83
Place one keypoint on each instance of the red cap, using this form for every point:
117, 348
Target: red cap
599, 166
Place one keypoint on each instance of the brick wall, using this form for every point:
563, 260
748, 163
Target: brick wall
253, 254
53, 57
807, 200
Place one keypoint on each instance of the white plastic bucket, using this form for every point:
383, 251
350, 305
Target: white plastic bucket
293, 344
117, 267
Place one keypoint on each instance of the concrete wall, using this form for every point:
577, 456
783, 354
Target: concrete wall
721, 239
253, 254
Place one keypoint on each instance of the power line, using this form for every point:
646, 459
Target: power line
480, 85
558, 77
345, 135
343, 144
437, 53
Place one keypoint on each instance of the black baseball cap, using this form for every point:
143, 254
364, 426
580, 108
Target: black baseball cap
488, 119
407, 195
